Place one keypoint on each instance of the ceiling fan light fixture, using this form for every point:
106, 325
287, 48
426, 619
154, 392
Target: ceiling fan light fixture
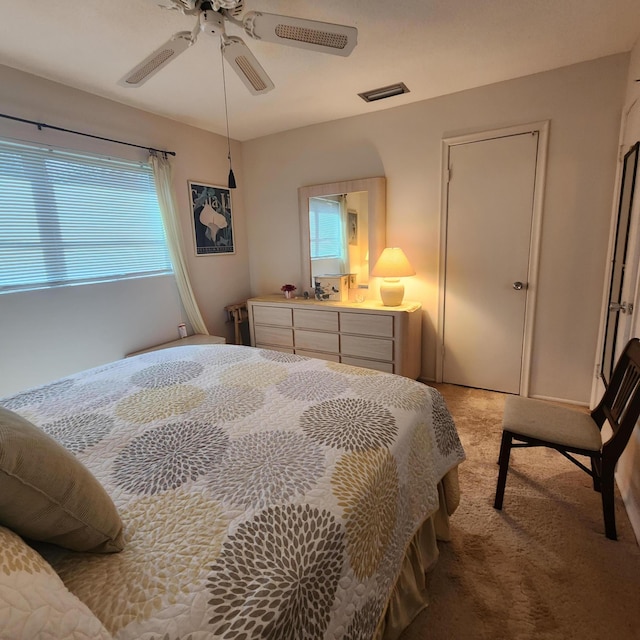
384, 92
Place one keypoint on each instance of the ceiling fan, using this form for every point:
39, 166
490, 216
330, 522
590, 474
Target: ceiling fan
211, 18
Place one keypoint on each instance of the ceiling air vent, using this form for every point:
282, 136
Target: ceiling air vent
384, 92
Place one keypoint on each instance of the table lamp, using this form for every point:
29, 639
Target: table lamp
391, 266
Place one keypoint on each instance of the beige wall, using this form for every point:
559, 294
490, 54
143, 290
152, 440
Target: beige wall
582, 102
47, 334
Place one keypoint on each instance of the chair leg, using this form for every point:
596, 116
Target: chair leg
608, 505
503, 461
596, 471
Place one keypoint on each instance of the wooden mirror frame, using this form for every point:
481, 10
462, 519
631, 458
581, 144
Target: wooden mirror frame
376, 189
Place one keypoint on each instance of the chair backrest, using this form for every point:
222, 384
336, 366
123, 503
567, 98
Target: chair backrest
620, 404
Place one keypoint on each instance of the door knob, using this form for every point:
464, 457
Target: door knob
518, 285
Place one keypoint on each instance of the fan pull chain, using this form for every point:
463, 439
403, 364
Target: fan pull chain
231, 183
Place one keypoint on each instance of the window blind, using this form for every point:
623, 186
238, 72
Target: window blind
325, 228
70, 219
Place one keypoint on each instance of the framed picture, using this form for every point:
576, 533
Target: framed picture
212, 219
352, 225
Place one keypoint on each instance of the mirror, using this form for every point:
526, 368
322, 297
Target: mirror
343, 228
616, 303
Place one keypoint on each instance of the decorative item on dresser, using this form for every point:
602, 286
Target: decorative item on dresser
288, 290
364, 334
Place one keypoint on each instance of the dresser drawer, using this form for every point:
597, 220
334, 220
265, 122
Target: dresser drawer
270, 347
367, 324
280, 316
317, 341
387, 367
311, 319
277, 336
364, 347
331, 357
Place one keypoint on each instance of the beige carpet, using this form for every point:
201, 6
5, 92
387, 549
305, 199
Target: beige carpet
542, 568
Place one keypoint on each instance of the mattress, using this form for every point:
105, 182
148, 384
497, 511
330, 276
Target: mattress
263, 494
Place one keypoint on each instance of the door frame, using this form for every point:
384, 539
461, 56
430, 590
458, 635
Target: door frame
542, 127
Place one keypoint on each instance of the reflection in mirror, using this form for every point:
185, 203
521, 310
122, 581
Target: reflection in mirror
343, 229
338, 235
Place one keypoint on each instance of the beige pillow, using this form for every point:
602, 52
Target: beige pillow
47, 494
34, 603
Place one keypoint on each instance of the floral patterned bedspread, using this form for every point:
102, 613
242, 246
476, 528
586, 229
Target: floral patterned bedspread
264, 495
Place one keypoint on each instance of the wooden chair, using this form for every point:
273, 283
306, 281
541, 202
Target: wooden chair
533, 423
237, 313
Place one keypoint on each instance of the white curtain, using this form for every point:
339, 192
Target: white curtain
162, 177
344, 216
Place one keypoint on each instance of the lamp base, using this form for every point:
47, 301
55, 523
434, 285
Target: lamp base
391, 292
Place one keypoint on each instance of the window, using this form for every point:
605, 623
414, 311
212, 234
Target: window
68, 219
325, 228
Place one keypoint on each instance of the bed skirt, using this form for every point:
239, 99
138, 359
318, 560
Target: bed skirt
409, 596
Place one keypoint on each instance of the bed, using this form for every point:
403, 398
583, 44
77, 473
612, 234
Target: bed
261, 495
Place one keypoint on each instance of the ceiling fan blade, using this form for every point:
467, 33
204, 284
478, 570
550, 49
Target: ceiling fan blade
244, 63
162, 56
337, 39
178, 5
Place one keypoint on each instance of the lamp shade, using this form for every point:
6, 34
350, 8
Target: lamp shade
392, 265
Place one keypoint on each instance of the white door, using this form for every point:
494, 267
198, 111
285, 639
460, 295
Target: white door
488, 236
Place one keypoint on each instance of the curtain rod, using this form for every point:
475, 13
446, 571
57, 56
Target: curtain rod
42, 125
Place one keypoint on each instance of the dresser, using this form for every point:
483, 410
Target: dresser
364, 334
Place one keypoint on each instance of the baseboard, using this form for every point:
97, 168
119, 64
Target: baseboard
536, 397
561, 400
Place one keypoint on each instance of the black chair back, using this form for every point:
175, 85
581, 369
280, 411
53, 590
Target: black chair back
620, 404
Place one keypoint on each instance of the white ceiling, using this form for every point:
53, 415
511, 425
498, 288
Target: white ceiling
435, 47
